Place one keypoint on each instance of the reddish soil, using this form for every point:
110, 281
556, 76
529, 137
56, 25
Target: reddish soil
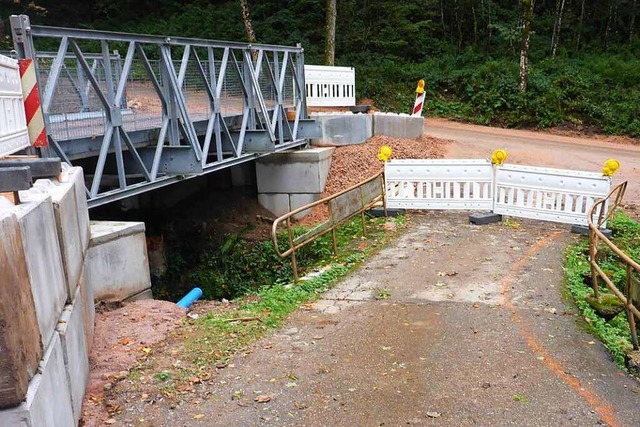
122, 337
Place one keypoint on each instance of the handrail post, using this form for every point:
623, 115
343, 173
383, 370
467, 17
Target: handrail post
333, 232
294, 264
630, 315
593, 243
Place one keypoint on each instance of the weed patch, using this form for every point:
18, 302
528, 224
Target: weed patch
615, 333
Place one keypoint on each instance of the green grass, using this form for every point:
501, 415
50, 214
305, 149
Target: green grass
615, 334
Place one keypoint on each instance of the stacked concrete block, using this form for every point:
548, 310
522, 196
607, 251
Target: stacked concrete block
71, 220
48, 399
44, 262
292, 179
397, 125
117, 265
343, 128
20, 345
71, 328
43, 245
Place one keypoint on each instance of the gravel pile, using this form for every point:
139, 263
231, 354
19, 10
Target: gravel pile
354, 163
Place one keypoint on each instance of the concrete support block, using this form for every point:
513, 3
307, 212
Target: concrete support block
484, 218
44, 262
343, 128
68, 220
75, 351
298, 200
301, 171
48, 401
117, 264
277, 204
397, 125
583, 230
378, 212
76, 176
89, 309
20, 345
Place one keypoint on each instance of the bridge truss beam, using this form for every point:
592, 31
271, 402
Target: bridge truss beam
173, 109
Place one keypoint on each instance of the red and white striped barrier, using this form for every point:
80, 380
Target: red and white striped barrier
420, 95
33, 111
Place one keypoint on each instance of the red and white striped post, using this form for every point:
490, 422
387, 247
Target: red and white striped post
420, 95
32, 109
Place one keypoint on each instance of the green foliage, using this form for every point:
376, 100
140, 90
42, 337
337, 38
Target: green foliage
615, 334
468, 51
229, 266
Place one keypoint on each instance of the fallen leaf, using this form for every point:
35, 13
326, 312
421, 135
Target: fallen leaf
433, 414
263, 398
198, 417
110, 421
447, 273
125, 341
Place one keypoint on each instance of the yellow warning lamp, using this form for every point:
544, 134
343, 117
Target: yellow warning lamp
420, 88
384, 153
610, 167
498, 157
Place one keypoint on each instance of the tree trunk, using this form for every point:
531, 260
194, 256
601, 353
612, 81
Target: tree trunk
527, 15
330, 34
475, 25
251, 36
633, 21
580, 23
556, 28
444, 28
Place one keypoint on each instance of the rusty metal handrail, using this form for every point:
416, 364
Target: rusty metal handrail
605, 209
328, 226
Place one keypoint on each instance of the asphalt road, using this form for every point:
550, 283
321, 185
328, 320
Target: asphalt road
475, 332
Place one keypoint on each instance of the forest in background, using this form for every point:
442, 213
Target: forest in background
583, 56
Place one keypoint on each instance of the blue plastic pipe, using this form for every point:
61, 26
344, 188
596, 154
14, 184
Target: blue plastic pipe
189, 298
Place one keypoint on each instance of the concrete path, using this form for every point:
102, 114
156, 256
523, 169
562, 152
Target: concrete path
475, 332
540, 149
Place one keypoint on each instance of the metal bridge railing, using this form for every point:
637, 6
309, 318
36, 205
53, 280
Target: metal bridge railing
599, 214
169, 108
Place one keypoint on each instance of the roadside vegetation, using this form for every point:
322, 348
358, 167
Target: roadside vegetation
583, 57
607, 321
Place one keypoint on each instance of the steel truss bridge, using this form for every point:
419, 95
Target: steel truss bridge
167, 109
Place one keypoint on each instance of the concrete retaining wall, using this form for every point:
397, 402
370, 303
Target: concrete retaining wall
397, 125
292, 179
47, 311
350, 129
343, 128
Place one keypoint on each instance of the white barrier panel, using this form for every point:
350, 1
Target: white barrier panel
439, 184
14, 135
548, 194
329, 86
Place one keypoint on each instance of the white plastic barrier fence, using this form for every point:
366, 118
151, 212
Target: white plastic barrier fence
329, 86
557, 195
439, 184
14, 135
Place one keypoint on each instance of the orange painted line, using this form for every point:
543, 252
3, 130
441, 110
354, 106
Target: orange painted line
598, 404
